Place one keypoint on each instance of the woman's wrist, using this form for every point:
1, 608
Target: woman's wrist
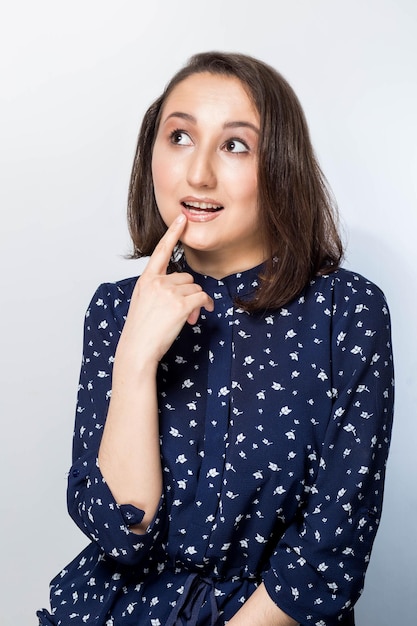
260, 610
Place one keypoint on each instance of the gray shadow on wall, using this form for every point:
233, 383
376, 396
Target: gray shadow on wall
391, 582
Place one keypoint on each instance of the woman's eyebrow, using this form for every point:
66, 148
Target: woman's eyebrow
193, 120
184, 116
239, 124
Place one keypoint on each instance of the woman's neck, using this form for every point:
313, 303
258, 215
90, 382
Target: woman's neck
219, 266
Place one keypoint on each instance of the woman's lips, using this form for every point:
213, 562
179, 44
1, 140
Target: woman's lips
200, 211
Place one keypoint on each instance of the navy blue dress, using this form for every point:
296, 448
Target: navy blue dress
274, 433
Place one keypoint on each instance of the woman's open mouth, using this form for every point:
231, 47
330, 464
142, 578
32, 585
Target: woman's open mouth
198, 207
201, 211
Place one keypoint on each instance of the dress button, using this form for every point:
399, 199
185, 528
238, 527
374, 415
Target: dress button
75, 473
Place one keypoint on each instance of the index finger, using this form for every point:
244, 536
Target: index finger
161, 256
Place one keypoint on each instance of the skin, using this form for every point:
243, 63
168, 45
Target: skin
212, 160
206, 151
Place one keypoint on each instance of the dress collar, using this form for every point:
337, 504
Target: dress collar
240, 284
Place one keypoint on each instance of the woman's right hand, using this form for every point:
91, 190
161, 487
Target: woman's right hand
161, 304
129, 454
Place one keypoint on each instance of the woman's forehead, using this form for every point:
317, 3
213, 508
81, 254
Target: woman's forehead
204, 92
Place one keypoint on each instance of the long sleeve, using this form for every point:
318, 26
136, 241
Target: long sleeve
90, 501
317, 570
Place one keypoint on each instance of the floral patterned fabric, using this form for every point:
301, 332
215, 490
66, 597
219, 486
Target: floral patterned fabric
274, 433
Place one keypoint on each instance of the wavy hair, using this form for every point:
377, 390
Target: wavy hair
297, 213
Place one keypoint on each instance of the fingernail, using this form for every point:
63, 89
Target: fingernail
180, 218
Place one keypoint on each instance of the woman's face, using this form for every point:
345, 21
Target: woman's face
204, 164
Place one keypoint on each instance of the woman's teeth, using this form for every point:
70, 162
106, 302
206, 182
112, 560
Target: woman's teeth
201, 206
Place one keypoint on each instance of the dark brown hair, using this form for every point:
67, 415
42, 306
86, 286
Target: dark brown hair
297, 214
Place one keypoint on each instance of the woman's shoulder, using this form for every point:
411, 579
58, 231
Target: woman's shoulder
348, 281
122, 288
112, 299
345, 291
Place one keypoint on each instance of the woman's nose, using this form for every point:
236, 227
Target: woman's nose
201, 171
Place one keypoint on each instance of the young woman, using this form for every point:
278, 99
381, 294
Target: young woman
235, 401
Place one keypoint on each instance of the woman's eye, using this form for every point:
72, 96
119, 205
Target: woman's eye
180, 138
236, 146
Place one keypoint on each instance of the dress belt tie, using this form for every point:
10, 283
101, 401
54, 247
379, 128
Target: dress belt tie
187, 609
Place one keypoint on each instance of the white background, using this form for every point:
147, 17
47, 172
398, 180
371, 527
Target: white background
75, 80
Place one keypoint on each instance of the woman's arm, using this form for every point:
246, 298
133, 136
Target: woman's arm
260, 610
317, 569
129, 455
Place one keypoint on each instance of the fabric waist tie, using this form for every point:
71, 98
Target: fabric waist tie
187, 609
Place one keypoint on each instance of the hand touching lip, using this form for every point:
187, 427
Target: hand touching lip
161, 303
